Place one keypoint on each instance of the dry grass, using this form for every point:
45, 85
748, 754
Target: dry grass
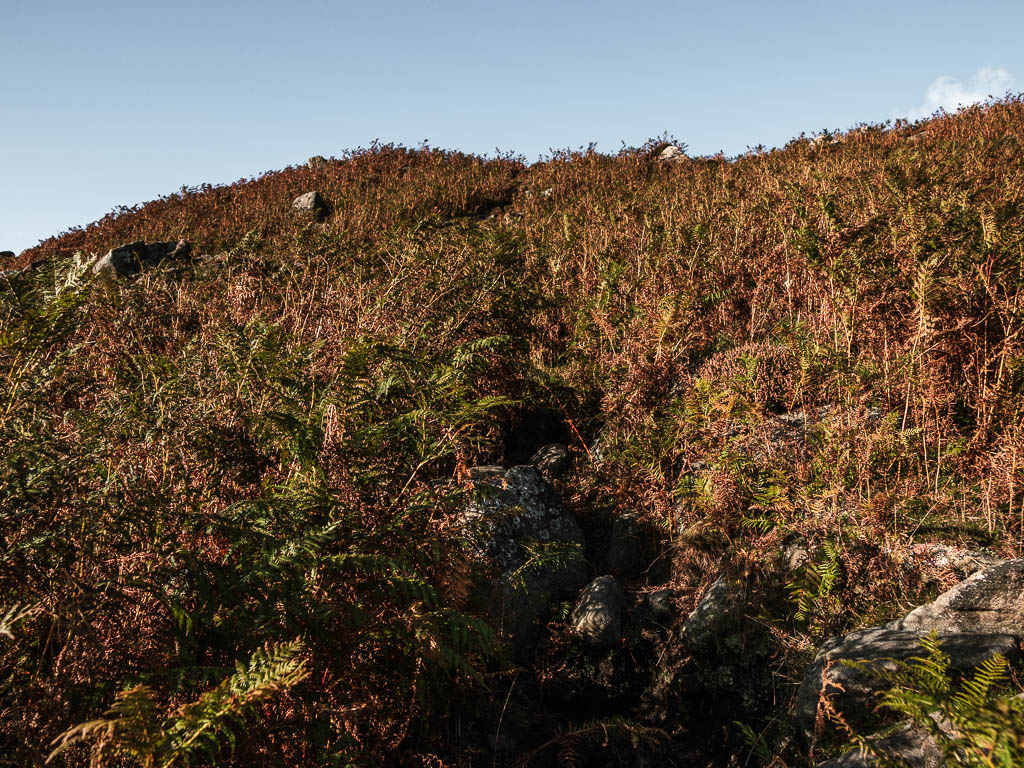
165, 441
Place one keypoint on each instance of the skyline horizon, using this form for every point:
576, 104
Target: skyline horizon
110, 104
500, 152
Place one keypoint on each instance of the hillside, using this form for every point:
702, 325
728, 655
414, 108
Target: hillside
241, 485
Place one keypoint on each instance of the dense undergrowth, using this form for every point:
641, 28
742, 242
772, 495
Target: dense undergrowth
229, 490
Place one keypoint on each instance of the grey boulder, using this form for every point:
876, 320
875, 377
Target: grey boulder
597, 617
713, 624
310, 202
727, 647
852, 690
991, 600
672, 154
130, 259
976, 619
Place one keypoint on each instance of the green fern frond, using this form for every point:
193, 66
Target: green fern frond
133, 729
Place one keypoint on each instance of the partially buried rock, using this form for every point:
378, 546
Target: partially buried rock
597, 617
316, 162
660, 603
310, 202
130, 259
553, 460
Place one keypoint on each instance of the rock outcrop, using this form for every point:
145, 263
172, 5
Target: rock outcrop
976, 619
518, 524
597, 617
130, 259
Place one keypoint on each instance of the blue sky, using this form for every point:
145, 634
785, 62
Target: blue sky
115, 103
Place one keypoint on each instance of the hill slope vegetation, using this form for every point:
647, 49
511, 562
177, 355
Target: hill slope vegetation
232, 488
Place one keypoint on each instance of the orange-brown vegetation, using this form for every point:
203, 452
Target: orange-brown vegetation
256, 448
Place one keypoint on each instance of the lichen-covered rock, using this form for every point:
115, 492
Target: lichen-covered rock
941, 560
316, 162
976, 619
793, 557
597, 617
518, 524
992, 600
553, 460
512, 508
728, 650
130, 259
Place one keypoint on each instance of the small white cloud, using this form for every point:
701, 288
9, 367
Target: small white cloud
950, 94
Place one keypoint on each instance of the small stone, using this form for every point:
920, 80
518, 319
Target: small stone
553, 460
311, 202
597, 617
660, 604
